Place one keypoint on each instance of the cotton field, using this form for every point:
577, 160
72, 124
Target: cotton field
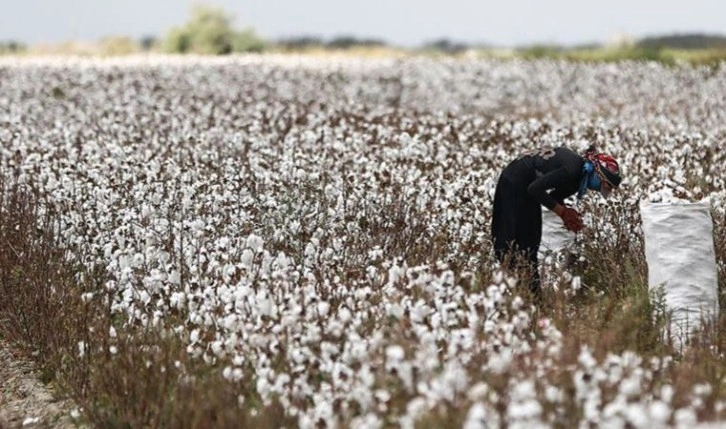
318, 228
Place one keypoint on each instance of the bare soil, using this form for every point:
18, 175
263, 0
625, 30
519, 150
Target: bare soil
25, 401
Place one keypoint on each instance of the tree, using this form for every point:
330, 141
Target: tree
11, 47
148, 43
210, 31
447, 46
347, 42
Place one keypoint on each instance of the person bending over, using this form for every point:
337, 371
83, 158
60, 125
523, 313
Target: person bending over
546, 178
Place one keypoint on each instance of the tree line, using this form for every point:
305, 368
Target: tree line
210, 30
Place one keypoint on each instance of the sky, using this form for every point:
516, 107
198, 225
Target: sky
505, 23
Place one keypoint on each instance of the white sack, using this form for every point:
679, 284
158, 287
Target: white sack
555, 237
682, 260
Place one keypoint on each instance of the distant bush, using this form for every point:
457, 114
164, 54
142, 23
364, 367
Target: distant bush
210, 31
347, 42
301, 42
11, 47
541, 51
622, 54
446, 46
148, 43
684, 41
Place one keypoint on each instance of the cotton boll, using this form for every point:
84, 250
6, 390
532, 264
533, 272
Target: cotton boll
659, 413
478, 417
685, 418
523, 404
247, 259
395, 353
255, 243
323, 308
630, 387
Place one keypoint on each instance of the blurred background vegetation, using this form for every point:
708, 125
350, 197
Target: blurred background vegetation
211, 31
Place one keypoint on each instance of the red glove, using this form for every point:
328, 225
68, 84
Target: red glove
570, 217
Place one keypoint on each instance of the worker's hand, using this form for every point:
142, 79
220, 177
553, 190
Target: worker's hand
570, 217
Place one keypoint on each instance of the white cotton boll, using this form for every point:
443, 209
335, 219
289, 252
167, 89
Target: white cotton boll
138, 260
363, 294
478, 392
174, 277
282, 261
163, 257
344, 315
523, 404
477, 417
371, 272
517, 303
144, 297
576, 283
419, 312
394, 310
229, 322
395, 353
586, 359
146, 211
28, 421
382, 395
630, 387
247, 259
637, 415
177, 300
197, 226
702, 389
685, 418
323, 308
414, 408
499, 363
229, 271
395, 273
554, 394
255, 243
81, 348
124, 261
366, 421
294, 227
218, 348
659, 413
264, 306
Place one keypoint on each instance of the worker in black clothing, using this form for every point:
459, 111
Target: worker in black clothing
539, 178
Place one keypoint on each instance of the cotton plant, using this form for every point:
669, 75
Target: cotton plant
275, 228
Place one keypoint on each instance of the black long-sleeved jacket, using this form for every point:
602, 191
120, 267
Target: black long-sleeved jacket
548, 175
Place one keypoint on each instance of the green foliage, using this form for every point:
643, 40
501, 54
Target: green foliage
347, 42
148, 43
684, 41
210, 31
541, 51
300, 43
11, 47
446, 46
246, 41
